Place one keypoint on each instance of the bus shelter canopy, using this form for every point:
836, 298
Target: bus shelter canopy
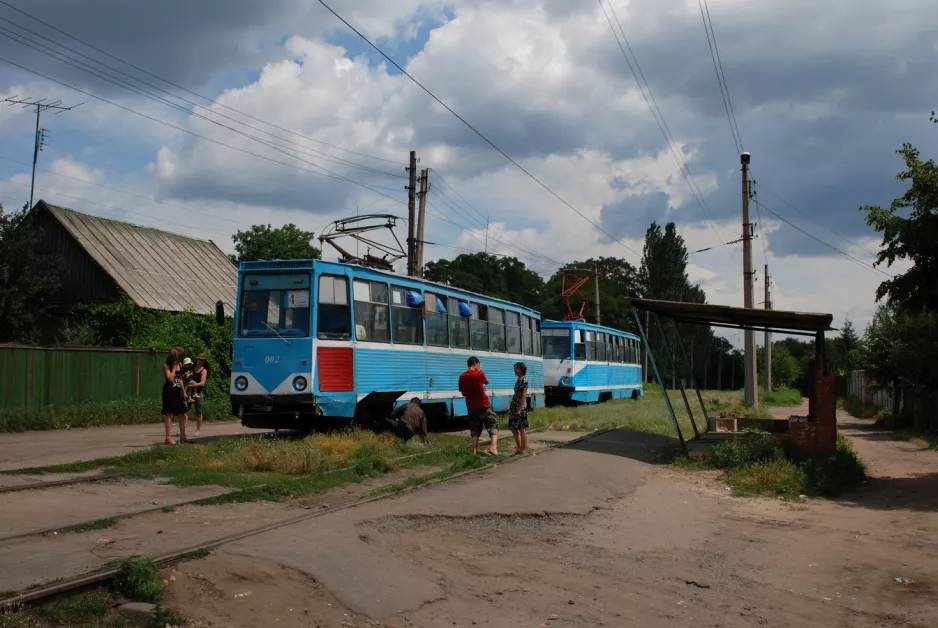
781, 321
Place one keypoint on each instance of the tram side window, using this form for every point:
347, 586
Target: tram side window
527, 333
635, 351
496, 330
601, 347
458, 325
513, 332
478, 328
590, 339
333, 313
437, 329
371, 311
536, 336
579, 345
408, 326
613, 348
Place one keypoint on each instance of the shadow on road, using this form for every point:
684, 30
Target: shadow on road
648, 448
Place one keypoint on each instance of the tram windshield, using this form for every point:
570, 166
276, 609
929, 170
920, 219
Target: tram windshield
556, 344
274, 306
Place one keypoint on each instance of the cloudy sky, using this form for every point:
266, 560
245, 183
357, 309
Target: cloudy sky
241, 112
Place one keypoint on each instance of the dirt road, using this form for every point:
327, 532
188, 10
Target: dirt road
594, 534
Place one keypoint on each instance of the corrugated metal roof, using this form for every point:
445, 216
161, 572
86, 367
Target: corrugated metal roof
159, 270
745, 318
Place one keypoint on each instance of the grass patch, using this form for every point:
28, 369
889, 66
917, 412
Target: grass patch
925, 440
138, 580
199, 553
781, 397
856, 408
763, 465
133, 411
91, 526
83, 610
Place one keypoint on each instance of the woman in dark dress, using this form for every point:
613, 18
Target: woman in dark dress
174, 396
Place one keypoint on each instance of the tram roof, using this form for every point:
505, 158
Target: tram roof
782, 321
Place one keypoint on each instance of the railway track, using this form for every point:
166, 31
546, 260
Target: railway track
54, 483
78, 583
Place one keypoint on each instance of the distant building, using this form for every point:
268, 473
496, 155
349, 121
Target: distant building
157, 269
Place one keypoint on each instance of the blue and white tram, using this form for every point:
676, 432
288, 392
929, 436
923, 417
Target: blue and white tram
586, 363
324, 343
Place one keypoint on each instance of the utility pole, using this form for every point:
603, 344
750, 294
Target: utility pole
422, 218
767, 352
39, 139
720, 370
599, 320
412, 216
486, 234
750, 375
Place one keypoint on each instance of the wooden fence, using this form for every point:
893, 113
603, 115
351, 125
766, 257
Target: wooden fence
36, 377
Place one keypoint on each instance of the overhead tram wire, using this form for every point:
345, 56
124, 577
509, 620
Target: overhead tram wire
189, 91
141, 92
662, 123
726, 86
373, 189
92, 69
827, 244
476, 131
471, 232
514, 243
482, 216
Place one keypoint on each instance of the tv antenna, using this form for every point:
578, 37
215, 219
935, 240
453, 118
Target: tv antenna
355, 227
40, 137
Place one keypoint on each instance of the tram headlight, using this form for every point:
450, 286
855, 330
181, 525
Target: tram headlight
241, 382
565, 381
300, 383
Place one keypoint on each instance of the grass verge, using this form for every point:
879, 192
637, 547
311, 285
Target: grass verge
138, 581
134, 411
925, 440
781, 397
856, 408
91, 526
763, 465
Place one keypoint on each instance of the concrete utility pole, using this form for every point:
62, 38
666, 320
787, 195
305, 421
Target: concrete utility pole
599, 320
412, 216
767, 353
39, 139
486, 234
750, 375
422, 217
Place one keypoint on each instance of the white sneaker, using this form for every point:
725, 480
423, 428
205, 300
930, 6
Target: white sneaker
196, 435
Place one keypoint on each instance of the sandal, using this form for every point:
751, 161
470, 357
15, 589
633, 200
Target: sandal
169, 442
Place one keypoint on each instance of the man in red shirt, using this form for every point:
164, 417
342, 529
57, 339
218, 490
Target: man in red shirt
472, 386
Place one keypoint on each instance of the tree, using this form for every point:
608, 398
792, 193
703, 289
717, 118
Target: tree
910, 231
265, 243
501, 277
28, 279
786, 370
663, 273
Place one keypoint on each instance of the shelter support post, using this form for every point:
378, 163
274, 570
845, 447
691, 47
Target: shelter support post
691, 376
680, 380
654, 368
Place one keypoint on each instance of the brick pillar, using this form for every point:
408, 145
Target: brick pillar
826, 414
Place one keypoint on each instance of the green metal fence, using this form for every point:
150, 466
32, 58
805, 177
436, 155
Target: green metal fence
36, 377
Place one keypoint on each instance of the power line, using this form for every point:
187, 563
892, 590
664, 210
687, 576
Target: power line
120, 191
189, 91
828, 245
97, 72
477, 132
807, 216
657, 114
120, 209
141, 92
329, 174
718, 70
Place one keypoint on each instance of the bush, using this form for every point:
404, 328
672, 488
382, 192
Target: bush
133, 411
763, 465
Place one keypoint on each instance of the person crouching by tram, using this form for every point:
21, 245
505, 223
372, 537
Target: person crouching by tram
472, 386
409, 420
